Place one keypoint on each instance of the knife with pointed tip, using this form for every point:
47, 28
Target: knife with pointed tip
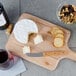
47, 53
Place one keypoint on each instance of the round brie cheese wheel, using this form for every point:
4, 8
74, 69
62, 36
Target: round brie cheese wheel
23, 28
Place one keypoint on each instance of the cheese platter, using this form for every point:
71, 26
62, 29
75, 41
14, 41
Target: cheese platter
50, 39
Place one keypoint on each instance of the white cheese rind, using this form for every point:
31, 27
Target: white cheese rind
23, 28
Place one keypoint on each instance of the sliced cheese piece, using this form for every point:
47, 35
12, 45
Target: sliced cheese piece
56, 30
38, 39
23, 28
26, 49
59, 31
58, 42
53, 31
59, 36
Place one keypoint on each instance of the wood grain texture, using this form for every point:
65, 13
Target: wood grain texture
48, 62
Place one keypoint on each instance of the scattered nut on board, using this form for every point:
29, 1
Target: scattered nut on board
9, 29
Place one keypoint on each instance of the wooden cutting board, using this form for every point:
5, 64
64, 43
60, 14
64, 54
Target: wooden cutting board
48, 62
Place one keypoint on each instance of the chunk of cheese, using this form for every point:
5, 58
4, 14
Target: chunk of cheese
26, 49
23, 28
38, 39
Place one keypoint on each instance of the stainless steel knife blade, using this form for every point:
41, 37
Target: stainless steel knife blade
35, 54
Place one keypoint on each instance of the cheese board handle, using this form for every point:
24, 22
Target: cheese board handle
61, 54
57, 54
71, 55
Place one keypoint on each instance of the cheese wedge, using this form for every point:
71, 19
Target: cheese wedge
26, 49
59, 32
38, 39
23, 28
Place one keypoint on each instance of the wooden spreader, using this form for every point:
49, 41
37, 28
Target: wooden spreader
48, 61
